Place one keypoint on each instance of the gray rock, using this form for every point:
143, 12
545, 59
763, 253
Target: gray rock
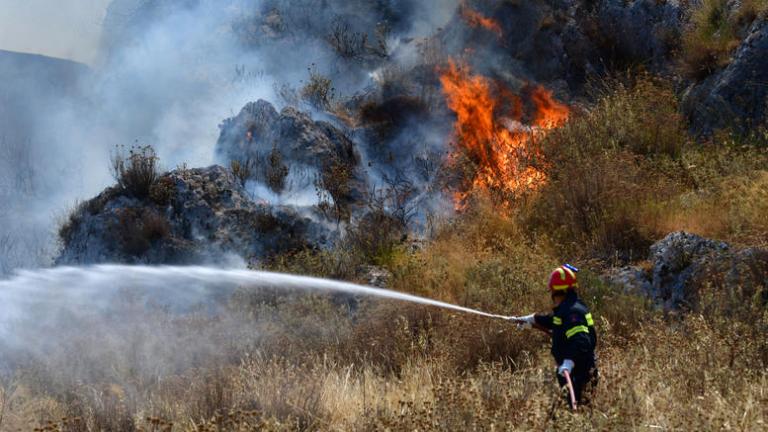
642, 31
686, 267
302, 143
193, 216
633, 279
676, 258
737, 95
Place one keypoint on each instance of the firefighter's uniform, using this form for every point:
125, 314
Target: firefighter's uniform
573, 338
572, 328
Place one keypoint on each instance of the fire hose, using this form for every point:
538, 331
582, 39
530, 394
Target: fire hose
566, 373
571, 393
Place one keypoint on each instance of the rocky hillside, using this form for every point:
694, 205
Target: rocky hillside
407, 128
189, 216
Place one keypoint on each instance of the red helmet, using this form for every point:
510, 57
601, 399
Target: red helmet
563, 279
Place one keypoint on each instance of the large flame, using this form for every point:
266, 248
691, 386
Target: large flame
476, 19
490, 132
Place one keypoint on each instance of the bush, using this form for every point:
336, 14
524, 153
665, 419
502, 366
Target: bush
69, 226
352, 45
135, 172
275, 171
333, 189
138, 229
716, 28
243, 170
375, 237
318, 92
604, 175
162, 191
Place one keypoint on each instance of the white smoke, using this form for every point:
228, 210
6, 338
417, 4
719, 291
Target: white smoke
169, 72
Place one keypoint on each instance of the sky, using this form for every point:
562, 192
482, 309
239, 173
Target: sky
68, 29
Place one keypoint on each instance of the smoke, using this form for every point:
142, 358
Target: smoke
70, 30
167, 73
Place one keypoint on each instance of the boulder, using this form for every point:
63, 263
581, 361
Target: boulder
191, 216
639, 31
676, 259
737, 95
685, 267
260, 135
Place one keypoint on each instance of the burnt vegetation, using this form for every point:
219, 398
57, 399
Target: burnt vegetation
135, 171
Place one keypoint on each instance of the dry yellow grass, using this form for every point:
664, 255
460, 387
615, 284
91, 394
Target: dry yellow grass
669, 377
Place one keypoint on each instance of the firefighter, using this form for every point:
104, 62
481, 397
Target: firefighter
572, 329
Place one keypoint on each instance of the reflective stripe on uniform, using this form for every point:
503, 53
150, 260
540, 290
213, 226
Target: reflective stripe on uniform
576, 330
590, 321
557, 320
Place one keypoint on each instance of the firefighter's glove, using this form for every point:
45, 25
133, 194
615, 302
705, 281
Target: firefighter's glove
523, 322
566, 366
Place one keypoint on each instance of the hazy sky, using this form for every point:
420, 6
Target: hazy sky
57, 28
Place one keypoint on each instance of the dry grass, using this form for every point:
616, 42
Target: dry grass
607, 171
716, 29
679, 373
626, 173
621, 175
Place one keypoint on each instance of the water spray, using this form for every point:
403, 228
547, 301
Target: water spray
179, 284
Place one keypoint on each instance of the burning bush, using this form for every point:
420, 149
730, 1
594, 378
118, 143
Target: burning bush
475, 19
491, 133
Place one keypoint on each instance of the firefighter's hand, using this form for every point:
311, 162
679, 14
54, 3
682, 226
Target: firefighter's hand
566, 366
523, 322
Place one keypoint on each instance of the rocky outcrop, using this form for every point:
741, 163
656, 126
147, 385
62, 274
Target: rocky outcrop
639, 31
737, 95
190, 216
684, 266
566, 42
290, 139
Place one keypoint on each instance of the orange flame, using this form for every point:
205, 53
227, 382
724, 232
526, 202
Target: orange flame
490, 133
476, 19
